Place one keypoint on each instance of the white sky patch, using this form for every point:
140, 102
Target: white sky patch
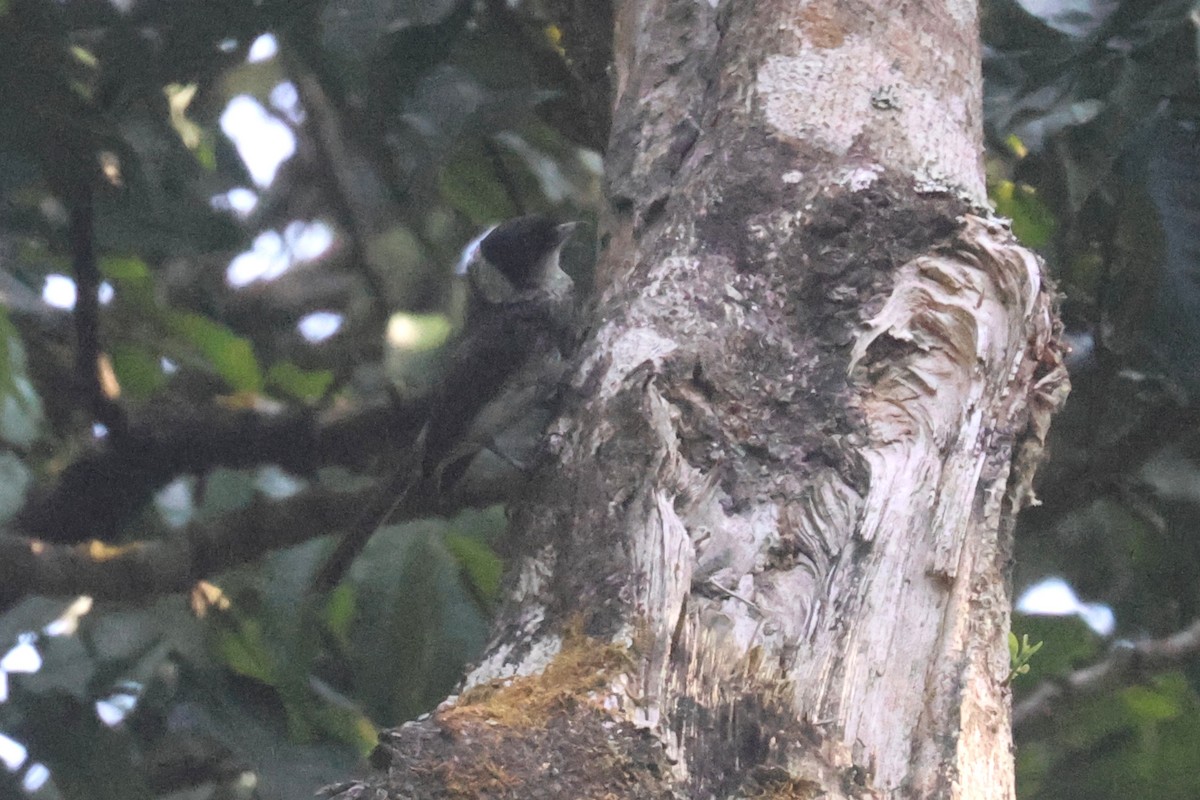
169, 367
319, 326
262, 139
277, 484
59, 291
12, 753
262, 49
264, 261
35, 777
175, 503
99, 430
273, 254
307, 240
1055, 597
227, 45
23, 657
240, 200
286, 100
113, 709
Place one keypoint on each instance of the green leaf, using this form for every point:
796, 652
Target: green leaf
119, 268
1032, 221
469, 184
1069, 643
302, 384
243, 650
231, 355
138, 370
1164, 700
340, 610
481, 566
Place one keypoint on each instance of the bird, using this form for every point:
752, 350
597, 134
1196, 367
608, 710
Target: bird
502, 383
508, 364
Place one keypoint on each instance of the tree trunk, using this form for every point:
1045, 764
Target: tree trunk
768, 556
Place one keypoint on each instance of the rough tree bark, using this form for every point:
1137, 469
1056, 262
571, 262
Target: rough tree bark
770, 556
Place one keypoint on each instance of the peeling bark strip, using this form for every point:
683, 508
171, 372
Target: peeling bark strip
815, 386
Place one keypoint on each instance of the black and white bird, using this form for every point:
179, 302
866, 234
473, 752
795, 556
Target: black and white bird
502, 384
499, 389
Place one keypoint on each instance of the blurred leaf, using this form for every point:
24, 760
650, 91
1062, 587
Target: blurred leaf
418, 332
251, 725
339, 611
88, 760
300, 383
29, 616
1165, 699
20, 420
14, 482
128, 635
1102, 749
1015, 145
240, 645
469, 184
179, 97
124, 269
417, 624
21, 413
227, 490
482, 567
67, 668
138, 370
1032, 221
231, 355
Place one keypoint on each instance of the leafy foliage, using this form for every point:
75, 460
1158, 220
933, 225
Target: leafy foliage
1093, 116
409, 123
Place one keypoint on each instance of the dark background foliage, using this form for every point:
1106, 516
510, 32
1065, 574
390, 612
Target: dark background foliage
414, 123
1093, 121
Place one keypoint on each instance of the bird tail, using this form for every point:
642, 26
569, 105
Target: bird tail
393, 496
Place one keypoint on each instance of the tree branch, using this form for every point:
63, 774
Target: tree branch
97, 493
87, 308
1125, 661
141, 570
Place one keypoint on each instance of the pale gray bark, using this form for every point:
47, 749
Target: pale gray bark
770, 554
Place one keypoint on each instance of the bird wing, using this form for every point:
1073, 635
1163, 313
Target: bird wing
501, 346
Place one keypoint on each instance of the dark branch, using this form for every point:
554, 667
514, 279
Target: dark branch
1125, 661
143, 570
101, 490
87, 308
